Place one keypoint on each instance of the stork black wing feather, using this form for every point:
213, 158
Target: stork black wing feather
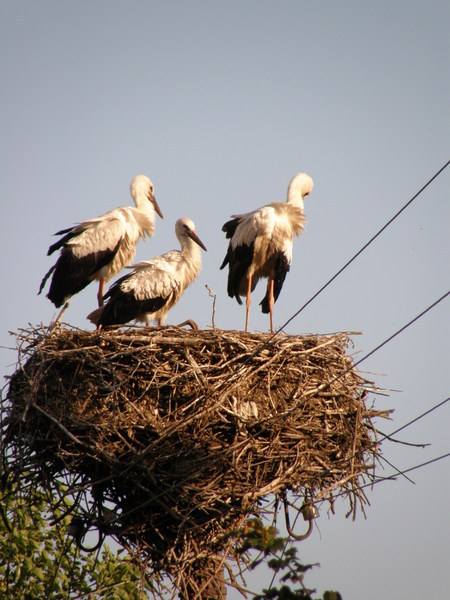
239, 258
123, 307
70, 233
72, 274
230, 227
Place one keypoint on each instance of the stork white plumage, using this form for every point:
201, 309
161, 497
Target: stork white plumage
100, 247
154, 286
261, 245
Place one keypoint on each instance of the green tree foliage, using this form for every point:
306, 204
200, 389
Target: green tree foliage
282, 559
40, 560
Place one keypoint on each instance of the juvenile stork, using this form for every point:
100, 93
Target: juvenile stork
154, 286
100, 247
261, 245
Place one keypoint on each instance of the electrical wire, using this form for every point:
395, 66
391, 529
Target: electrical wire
430, 410
402, 329
402, 472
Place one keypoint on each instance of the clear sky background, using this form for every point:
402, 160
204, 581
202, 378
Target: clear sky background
220, 104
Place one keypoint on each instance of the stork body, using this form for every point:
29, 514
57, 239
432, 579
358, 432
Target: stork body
154, 286
99, 248
261, 246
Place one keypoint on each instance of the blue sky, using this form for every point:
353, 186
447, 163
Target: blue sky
220, 104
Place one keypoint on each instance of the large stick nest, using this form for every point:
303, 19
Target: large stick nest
184, 433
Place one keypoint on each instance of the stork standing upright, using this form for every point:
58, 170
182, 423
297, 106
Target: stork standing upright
154, 286
261, 245
100, 247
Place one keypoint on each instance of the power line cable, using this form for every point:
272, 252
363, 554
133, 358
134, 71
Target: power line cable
388, 462
402, 472
402, 329
430, 410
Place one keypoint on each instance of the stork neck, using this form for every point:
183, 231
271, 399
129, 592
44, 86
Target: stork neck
143, 204
191, 251
295, 199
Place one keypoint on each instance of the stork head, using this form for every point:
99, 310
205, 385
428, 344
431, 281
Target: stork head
185, 228
300, 186
141, 187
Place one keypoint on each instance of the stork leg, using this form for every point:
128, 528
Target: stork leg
271, 302
101, 291
58, 318
248, 300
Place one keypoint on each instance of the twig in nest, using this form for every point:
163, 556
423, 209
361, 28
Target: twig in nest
213, 296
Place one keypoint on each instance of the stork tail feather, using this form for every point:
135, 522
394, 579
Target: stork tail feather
95, 315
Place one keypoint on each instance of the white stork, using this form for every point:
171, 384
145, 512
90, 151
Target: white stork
261, 245
100, 247
154, 286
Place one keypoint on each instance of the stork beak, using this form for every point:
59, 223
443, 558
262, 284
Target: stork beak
197, 240
152, 199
